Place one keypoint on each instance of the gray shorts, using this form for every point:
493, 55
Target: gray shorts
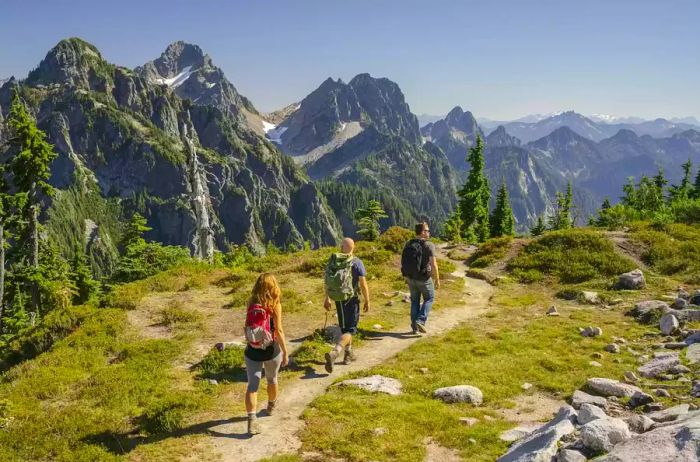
254, 370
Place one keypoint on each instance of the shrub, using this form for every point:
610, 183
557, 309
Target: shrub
177, 314
490, 252
167, 416
672, 250
223, 365
395, 238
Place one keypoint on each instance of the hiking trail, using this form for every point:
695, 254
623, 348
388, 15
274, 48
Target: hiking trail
279, 432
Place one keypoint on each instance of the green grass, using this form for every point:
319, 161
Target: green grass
569, 257
671, 250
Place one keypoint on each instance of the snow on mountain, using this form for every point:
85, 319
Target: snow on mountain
178, 80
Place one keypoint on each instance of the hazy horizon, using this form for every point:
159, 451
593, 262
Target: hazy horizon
501, 61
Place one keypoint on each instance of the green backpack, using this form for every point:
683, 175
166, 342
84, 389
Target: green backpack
338, 277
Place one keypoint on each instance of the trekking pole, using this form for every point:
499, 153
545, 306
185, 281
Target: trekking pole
325, 323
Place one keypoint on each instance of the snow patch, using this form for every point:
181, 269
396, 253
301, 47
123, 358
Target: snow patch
273, 133
210, 85
178, 80
267, 126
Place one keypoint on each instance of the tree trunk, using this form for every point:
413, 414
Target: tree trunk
34, 237
2, 271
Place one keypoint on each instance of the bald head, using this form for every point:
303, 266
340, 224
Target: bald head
347, 245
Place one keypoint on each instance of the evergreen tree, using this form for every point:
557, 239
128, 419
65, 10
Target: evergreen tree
452, 230
81, 276
368, 220
696, 186
539, 227
561, 219
606, 204
475, 195
501, 221
685, 189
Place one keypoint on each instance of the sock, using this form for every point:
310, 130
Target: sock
338, 348
251, 415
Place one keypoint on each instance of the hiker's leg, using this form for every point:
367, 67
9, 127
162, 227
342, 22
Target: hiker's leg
348, 317
428, 291
253, 370
415, 301
272, 368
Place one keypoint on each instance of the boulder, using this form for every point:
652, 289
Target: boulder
649, 310
552, 311
591, 331
679, 304
661, 393
610, 387
514, 434
580, 398
678, 442
670, 414
526, 386
595, 364
612, 348
633, 280
695, 391
589, 297
659, 365
375, 384
693, 337
631, 377
541, 445
460, 394
668, 324
682, 293
692, 354
469, 421
570, 455
640, 398
588, 413
604, 434
639, 423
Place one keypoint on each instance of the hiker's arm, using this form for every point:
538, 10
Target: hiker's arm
436, 273
365, 292
279, 334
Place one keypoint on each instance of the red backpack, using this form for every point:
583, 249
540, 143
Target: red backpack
258, 329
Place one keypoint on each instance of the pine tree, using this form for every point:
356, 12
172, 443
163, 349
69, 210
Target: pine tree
501, 221
452, 231
30, 168
368, 219
475, 195
561, 219
695, 193
685, 189
81, 277
539, 227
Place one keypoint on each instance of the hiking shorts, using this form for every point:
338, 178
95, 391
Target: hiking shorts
348, 315
254, 370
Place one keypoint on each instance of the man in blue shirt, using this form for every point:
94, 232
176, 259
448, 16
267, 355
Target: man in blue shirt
349, 310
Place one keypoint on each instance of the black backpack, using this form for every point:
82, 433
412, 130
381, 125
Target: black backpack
413, 264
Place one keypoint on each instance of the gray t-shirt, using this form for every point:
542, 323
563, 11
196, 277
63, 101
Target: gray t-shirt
429, 251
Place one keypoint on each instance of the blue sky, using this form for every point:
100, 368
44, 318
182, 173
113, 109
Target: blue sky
499, 59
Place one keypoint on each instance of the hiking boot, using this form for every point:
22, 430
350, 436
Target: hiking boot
253, 426
420, 327
270, 407
349, 357
330, 360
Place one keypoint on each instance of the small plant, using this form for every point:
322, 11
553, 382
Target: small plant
395, 238
227, 364
490, 252
176, 314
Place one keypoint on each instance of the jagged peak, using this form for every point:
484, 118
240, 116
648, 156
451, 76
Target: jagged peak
71, 61
455, 112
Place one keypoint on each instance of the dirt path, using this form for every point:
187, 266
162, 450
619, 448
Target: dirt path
279, 431
625, 247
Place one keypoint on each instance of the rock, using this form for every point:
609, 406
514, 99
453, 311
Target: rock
612, 348
580, 398
597, 355
633, 280
653, 407
591, 331
542, 444
469, 421
659, 365
514, 434
692, 354
679, 369
649, 310
526, 386
588, 413
619, 340
591, 298
640, 398
677, 442
695, 391
570, 455
610, 387
552, 311
423, 370
692, 338
679, 304
390, 303
682, 293
212, 382
631, 377
375, 384
604, 434
639, 423
379, 431
661, 393
675, 345
595, 364
460, 394
668, 324
377, 327
670, 414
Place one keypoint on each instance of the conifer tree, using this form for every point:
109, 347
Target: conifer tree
561, 219
31, 170
368, 219
475, 195
539, 227
501, 221
81, 277
696, 186
453, 227
684, 190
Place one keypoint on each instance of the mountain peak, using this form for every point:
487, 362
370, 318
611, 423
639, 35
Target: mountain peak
500, 137
75, 62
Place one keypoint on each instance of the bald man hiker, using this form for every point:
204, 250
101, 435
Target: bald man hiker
345, 280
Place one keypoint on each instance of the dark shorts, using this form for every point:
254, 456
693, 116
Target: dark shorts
348, 315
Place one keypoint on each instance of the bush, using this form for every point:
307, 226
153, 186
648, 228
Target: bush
223, 365
672, 250
490, 252
395, 238
148, 259
177, 314
167, 416
571, 256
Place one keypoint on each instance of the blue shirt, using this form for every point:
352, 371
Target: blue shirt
358, 269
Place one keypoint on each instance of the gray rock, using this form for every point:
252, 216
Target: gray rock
604, 434
570, 455
469, 421
619, 340
460, 394
612, 348
631, 377
610, 387
588, 413
591, 331
653, 407
375, 384
633, 280
650, 309
580, 398
589, 297
526, 386
678, 442
514, 434
695, 391
659, 365
682, 293
661, 393
675, 345
640, 398
541, 445
668, 324
595, 364
670, 414
679, 369
694, 337
692, 354
552, 311
639, 423
379, 431
679, 304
